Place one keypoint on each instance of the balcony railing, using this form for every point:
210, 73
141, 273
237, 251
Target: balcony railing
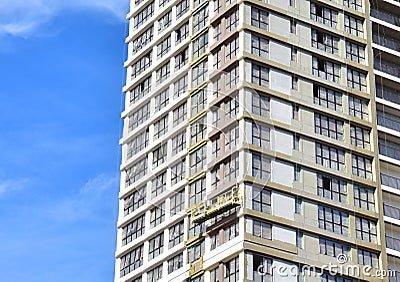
389, 121
196, 266
387, 67
391, 211
389, 149
388, 94
385, 16
386, 41
391, 181
215, 206
392, 243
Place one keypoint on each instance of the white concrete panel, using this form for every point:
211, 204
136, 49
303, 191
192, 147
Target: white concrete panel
283, 4
281, 111
249, 191
280, 81
283, 205
247, 75
247, 45
282, 173
249, 225
279, 53
284, 271
284, 234
249, 258
279, 24
282, 141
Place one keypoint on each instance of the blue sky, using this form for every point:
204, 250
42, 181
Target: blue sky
60, 88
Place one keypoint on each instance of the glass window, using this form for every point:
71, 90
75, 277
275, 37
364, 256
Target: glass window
328, 126
165, 21
259, 75
136, 171
325, 42
358, 108
361, 166
131, 261
180, 114
181, 59
139, 117
262, 229
135, 200
332, 188
366, 229
333, 220
259, 46
259, 18
355, 52
324, 15
261, 200
145, 14
326, 69
164, 47
158, 185
176, 234
163, 73
200, 19
133, 230
356, 79
181, 8
178, 143
359, 136
330, 157
138, 143
328, 98
157, 215
354, 25
182, 33
364, 197
142, 64
175, 263
177, 202
140, 90
142, 40
159, 155
161, 127
200, 45
178, 172
161, 100
156, 246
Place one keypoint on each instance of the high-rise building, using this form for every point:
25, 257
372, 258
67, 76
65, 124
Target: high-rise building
261, 141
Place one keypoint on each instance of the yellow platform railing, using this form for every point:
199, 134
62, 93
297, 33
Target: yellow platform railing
215, 206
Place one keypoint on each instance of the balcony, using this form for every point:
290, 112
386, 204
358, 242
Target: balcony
392, 243
390, 181
215, 206
389, 121
388, 94
389, 149
391, 211
386, 41
384, 63
386, 16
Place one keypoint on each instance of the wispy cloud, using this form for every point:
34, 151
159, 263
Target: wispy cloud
24, 17
89, 201
10, 185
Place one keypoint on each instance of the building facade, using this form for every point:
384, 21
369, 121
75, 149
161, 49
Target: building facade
260, 141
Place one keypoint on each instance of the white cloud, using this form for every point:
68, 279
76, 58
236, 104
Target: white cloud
10, 185
24, 17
